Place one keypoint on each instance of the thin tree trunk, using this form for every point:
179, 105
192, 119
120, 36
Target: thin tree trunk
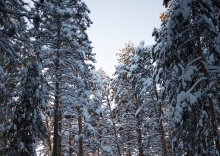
80, 133
129, 151
98, 152
219, 22
139, 138
212, 110
56, 111
57, 100
60, 131
205, 72
139, 132
70, 144
49, 136
164, 146
114, 126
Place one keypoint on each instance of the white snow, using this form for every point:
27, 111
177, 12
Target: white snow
107, 149
185, 8
2, 128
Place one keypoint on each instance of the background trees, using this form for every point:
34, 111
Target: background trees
125, 108
54, 102
139, 107
60, 43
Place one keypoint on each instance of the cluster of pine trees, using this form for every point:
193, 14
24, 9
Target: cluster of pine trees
47, 79
164, 99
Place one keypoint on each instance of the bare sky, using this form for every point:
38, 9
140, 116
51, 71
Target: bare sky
116, 22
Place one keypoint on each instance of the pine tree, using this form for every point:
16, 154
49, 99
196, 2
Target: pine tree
149, 111
27, 121
13, 33
67, 61
108, 132
128, 100
16, 50
186, 59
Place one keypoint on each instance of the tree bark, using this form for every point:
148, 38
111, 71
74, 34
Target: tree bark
49, 136
129, 151
139, 132
80, 132
70, 144
140, 149
207, 81
60, 131
164, 147
56, 116
57, 92
114, 126
211, 105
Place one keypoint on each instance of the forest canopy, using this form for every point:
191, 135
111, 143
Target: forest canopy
163, 99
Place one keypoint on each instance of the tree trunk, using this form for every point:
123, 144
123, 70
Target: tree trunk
139, 132
114, 126
205, 72
49, 136
211, 105
80, 132
98, 152
56, 116
57, 98
70, 144
164, 147
140, 149
129, 151
60, 131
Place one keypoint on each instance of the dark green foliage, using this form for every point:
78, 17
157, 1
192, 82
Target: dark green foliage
27, 123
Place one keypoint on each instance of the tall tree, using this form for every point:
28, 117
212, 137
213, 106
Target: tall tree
149, 109
13, 33
107, 129
21, 69
71, 75
124, 110
128, 87
187, 56
27, 123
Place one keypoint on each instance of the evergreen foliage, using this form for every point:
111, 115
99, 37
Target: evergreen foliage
186, 54
162, 100
27, 119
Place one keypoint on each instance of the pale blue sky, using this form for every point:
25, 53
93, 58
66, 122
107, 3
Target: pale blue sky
116, 22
